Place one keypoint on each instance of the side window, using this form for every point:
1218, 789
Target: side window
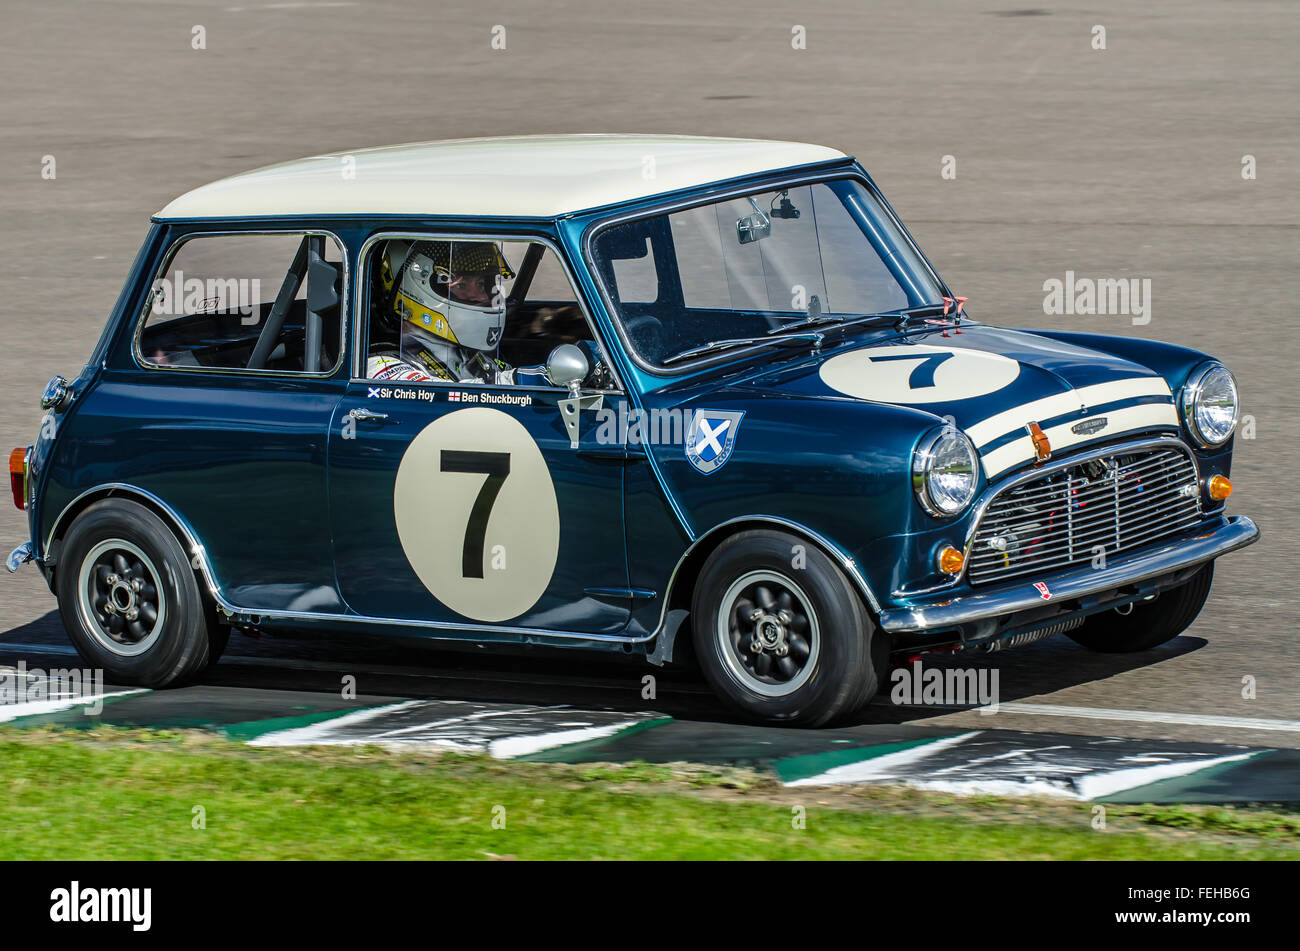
471, 311
268, 302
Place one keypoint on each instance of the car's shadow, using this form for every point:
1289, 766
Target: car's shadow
408, 668
1043, 667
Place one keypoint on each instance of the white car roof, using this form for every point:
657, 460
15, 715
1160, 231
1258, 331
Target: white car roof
542, 176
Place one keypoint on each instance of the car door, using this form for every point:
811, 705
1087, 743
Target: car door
472, 506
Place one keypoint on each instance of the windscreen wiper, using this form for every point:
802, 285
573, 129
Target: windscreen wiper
898, 317
713, 345
842, 320
799, 330
810, 321
815, 316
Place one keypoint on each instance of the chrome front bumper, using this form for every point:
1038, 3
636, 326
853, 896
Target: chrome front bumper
1172, 554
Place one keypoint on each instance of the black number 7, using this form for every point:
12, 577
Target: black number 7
923, 373
496, 466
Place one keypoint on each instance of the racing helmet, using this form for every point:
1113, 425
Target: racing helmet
449, 289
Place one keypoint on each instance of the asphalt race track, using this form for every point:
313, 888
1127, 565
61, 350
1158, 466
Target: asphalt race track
1125, 162
549, 711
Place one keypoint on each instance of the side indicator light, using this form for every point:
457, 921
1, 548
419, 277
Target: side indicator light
18, 477
1220, 488
951, 561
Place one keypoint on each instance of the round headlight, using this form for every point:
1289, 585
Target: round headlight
1210, 405
945, 472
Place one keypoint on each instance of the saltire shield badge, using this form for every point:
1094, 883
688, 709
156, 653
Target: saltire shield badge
711, 438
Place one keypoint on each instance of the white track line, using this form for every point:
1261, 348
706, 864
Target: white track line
1151, 716
317, 733
509, 747
881, 768
1109, 782
36, 708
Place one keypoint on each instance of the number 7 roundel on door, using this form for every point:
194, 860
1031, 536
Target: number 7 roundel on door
477, 515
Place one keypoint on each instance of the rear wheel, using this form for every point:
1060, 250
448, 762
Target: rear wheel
783, 643
1143, 625
129, 599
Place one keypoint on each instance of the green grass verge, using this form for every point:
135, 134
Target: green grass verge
131, 794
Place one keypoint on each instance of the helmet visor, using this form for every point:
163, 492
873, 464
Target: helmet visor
467, 272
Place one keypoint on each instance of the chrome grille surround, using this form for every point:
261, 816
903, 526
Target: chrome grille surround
1119, 497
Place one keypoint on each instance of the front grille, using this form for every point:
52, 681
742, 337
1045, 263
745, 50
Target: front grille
1073, 514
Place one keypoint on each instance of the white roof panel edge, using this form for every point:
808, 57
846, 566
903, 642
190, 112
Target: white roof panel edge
541, 176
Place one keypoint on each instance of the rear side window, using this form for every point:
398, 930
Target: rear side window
260, 302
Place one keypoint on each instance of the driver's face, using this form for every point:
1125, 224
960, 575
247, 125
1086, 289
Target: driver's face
471, 288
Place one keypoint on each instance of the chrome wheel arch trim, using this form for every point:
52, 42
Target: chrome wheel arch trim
847, 563
193, 547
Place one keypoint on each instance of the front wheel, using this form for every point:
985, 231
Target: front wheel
781, 633
1143, 625
129, 599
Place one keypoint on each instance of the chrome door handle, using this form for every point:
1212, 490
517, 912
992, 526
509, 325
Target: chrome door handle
367, 414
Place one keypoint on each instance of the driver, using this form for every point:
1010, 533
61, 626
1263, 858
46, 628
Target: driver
446, 303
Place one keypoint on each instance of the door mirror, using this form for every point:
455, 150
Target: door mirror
567, 366
753, 227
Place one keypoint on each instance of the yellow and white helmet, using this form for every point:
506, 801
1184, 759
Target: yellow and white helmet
450, 289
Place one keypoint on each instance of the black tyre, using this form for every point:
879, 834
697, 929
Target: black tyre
129, 599
780, 631
1148, 623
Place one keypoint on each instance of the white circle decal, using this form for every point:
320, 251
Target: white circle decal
476, 514
918, 373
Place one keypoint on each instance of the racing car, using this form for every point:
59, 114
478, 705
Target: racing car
702, 400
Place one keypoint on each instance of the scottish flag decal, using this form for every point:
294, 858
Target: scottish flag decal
711, 437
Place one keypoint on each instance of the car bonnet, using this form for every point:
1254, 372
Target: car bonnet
992, 383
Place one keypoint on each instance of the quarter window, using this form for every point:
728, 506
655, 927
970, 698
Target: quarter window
262, 302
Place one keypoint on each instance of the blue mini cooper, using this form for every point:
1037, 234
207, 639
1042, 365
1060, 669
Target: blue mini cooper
695, 399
